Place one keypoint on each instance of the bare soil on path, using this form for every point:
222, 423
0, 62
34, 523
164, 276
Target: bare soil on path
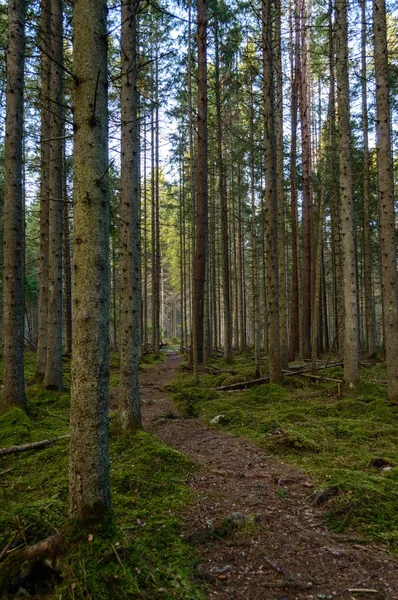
279, 550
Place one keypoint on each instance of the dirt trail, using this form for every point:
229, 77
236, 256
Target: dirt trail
282, 551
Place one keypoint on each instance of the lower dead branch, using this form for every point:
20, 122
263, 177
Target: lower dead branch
32, 446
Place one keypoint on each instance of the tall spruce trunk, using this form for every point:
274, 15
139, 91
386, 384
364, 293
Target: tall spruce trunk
201, 188
367, 249
13, 273
53, 378
130, 297
337, 267
279, 187
294, 341
45, 66
305, 118
275, 367
89, 461
224, 209
385, 181
351, 345
66, 268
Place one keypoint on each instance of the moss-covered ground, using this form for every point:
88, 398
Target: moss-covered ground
141, 553
349, 442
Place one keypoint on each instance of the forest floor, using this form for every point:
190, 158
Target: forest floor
254, 520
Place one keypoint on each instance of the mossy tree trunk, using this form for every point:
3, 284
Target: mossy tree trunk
89, 460
130, 297
13, 334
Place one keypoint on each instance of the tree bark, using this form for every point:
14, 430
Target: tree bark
89, 460
385, 181
201, 187
13, 274
367, 251
53, 378
223, 208
351, 346
45, 26
305, 117
275, 367
130, 297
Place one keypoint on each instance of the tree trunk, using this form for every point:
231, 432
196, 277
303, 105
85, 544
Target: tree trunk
275, 367
224, 210
89, 460
385, 181
351, 348
13, 335
53, 378
295, 302
305, 117
279, 187
130, 297
67, 272
201, 187
45, 25
367, 251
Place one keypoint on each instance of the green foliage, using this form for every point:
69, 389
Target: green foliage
139, 553
334, 440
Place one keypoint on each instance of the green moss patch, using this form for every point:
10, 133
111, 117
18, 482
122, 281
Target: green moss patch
336, 441
140, 552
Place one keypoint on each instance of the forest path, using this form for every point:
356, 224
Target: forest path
281, 551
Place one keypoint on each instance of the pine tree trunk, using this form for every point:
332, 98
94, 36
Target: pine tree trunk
367, 251
351, 346
53, 378
201, 187
224, 210
45, 25
305, 117
89, 461
67, 271
279, 187
13, 333
385, 181
130, 297
337, 269
295, 302
275, 367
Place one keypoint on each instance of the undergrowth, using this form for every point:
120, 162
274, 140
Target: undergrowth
140, 555
338, 441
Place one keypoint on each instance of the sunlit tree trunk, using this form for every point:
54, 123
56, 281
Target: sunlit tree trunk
89, 460
385, 181
351, 346
130, 297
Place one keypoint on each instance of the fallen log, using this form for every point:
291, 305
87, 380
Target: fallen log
312, 376
244, 385
32, 446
